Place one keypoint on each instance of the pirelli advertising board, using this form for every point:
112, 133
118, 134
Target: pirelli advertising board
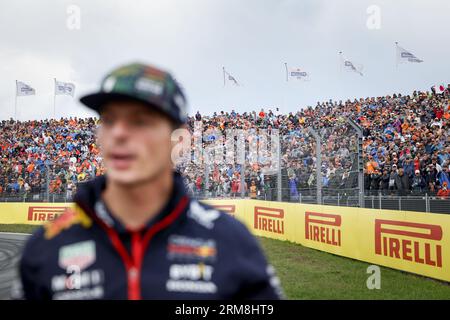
410, 241
30, 213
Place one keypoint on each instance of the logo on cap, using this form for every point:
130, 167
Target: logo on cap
149, 85
109, 83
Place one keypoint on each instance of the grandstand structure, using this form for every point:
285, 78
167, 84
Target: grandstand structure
390, 152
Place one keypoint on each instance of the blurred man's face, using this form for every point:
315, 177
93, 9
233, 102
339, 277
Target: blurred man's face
135, 142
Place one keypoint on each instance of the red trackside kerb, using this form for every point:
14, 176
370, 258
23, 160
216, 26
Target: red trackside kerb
139, 246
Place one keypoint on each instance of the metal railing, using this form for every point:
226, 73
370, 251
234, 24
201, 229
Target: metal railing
427, 202
35, 197
346, 198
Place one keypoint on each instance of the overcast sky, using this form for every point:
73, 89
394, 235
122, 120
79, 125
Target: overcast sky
194, 39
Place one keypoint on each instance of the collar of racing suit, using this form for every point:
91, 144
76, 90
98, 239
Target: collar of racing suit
89, 199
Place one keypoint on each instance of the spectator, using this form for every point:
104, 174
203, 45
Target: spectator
253, 190
402, 183
234, 188
431, 179
444, 192
293, 191
384, 182
418, 183
392, 179
375, 179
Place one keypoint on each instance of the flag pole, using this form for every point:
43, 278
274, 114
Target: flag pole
54, 99
15, 104
396, 55
340, 62
287, 73
223, 76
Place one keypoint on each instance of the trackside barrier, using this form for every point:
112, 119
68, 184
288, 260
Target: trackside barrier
34, 213
415, 242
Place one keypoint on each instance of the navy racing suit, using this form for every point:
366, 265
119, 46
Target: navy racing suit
188, 251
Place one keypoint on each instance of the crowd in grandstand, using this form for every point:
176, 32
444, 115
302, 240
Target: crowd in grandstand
53, 155
406, 149
406, 146
407, 143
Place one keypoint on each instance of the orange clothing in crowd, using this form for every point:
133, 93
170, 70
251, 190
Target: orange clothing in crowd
371, 166
405, 126
30, 167
443, 193
447, 115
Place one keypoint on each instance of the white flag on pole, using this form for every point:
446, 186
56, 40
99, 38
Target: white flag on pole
298, 74
351, 66
64, 88
406, 56
230, 78
23, 89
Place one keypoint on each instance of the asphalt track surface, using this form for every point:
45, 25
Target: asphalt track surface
11, 245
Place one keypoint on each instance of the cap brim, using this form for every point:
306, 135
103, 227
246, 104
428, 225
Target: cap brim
97, 101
